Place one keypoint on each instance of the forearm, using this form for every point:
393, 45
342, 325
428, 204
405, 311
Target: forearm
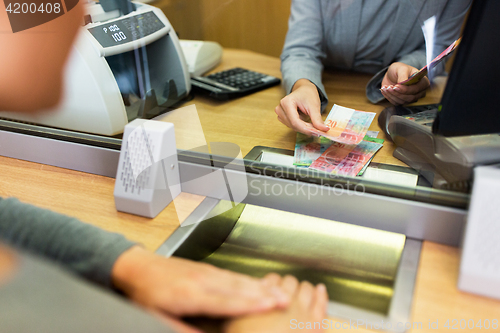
303, 50
84, 249
312, 74
128, 267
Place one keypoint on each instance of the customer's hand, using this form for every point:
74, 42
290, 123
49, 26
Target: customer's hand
399, 94
301, 103
308, 305
181, 287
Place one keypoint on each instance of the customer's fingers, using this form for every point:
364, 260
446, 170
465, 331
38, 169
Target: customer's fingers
306, 295
289, 285
217, 305
320, 302
272, 279
242, 286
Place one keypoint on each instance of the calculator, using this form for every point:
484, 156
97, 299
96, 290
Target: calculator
232, 83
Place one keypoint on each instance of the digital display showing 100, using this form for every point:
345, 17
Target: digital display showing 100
116, 33
127, 29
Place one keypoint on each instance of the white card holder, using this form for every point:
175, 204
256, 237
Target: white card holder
147, 179
480, 260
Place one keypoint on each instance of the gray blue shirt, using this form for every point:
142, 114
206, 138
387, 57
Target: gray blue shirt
364, 36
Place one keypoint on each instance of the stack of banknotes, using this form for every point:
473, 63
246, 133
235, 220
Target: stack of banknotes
345, 149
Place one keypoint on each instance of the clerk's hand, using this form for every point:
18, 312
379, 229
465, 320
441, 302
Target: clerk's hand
181, 287
301, 103
399, 94
308, 305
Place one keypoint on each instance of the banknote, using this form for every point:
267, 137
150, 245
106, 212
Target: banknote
308, 149
346, 160
371, 139
416, 77
347, 125
363, 169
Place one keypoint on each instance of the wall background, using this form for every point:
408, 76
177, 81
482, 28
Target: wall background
257, 25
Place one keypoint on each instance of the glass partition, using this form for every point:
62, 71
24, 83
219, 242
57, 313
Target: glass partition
247, 128
270, 148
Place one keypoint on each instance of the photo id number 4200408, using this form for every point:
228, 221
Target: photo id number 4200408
471, 324
33, 8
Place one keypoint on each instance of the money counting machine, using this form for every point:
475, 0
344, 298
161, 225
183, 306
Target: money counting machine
124, 65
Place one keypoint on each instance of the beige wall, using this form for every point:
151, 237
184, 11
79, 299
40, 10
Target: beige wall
257, 25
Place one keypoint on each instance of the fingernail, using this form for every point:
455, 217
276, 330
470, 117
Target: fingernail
397, 88
321, 287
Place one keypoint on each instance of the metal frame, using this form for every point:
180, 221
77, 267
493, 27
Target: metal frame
400, 308
82, 152
182, 233
417, 220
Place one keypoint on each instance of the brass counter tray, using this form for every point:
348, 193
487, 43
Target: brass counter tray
369, 273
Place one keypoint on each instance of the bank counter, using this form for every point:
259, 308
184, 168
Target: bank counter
388, 253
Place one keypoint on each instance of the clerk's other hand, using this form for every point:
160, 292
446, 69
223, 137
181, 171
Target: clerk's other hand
301, 103
308, 305
181, 287
399, 94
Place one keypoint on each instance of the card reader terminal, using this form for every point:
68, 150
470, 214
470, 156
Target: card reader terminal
446, 162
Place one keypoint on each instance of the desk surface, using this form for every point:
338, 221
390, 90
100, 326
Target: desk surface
249, 122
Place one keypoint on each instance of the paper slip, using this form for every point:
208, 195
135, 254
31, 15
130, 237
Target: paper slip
422, 72
344, 159
347, 125
391, 177
277, 159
